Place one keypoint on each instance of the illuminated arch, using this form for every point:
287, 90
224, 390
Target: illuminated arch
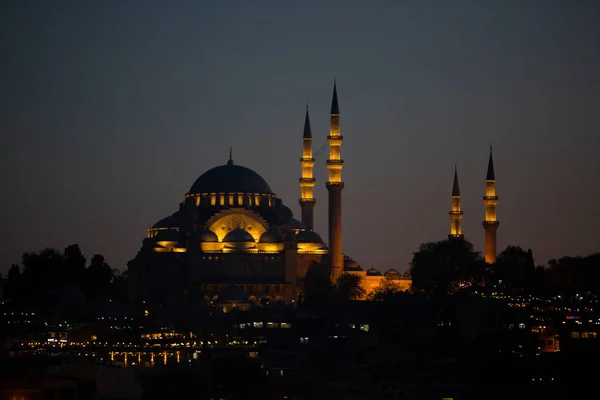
228, 220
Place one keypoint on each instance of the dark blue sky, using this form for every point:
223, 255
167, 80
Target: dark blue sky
110, 110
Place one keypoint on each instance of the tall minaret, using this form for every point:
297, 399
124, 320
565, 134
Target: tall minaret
456, 215
307, 182
335, 187
490, 224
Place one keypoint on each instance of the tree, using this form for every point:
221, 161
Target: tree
120, 285
317, 284
386, 289
43, 272
349, 287
515, 269
446, 266
74, 265
570, 275
14, 282
99, 277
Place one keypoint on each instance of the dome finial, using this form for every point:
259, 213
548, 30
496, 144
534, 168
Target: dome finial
230, 162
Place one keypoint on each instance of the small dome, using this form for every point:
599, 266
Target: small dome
238, 235
269, 237
306, 236
373, 272
208, 236
392, 273
297, 224
234, 294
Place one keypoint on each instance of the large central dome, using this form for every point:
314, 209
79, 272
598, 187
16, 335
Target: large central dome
230, 178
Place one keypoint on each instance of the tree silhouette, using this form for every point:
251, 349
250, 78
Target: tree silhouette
348, 287
74, 265
514, 270
14, 283
99, 277
120, 285
571, 275
43, 272
317, 284
444, 267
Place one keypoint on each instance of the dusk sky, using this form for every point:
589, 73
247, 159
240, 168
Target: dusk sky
110, 110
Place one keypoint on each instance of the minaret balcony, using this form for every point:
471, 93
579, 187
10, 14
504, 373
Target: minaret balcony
490, 223
335, 141
307, 162
306, 200
335, 164
307, 182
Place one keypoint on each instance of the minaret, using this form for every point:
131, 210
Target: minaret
307, 182
490, 224
456, 215
335, 187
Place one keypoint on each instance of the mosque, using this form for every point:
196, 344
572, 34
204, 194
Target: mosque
232, 240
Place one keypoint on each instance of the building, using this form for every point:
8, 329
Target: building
232, 230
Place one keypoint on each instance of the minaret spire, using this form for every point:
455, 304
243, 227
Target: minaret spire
490, 223
455, 213
307, 132
335, 109
335, 185
307, 181
455, 187
491, 176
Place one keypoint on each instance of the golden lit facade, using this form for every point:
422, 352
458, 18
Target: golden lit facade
230, 230
373, 280
490, 224
456, 214
335, 185
307, 181
233, 242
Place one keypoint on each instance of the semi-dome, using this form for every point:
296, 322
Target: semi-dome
208, 236
168, 235
283, 213
351, 265
268, 237
306, 236
238, 236
230, 178
175, 220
